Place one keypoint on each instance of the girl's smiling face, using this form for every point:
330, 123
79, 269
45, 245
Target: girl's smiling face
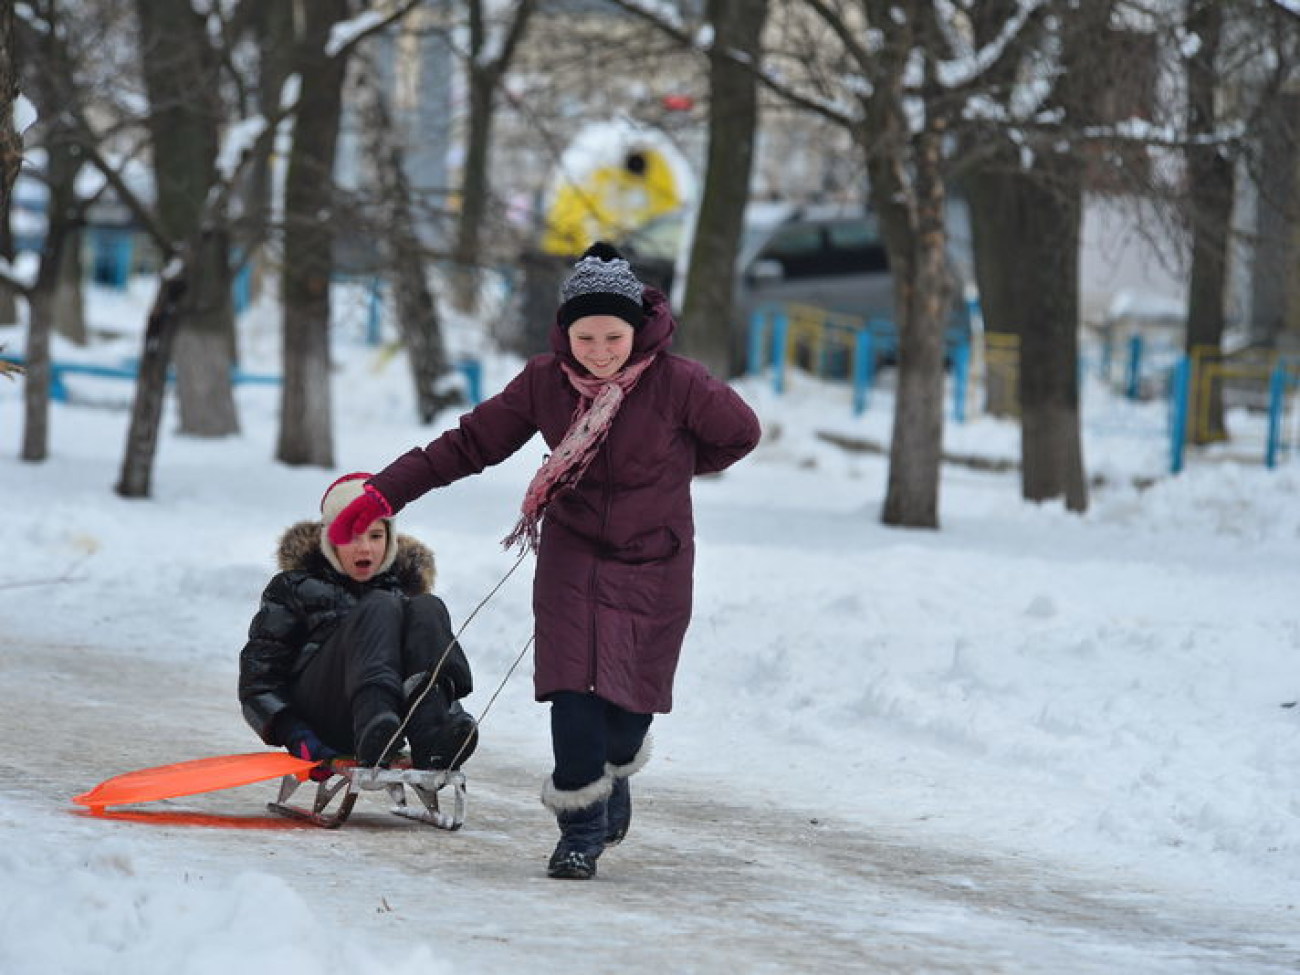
601, 344
362, 556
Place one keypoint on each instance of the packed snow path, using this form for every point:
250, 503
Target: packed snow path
701, 885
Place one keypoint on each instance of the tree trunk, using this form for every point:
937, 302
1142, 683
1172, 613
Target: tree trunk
69, 306
417, 312
1210, 187
908, 194
1025, 227
151, 387
203, 350
1047, 302
11, 143
1050, 209
483, 76
36, 391
184, 122
709, 334
922, 288
8, 301
467, 252
306, 433
1274, 291
62, 163
990, 195
990, 184
417, 316
272, 26
11, 150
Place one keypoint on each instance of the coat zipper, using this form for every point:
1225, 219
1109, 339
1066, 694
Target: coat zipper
595, 568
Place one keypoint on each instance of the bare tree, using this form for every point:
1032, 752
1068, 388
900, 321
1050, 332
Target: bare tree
417, 311
270, 24
486, 62
180, 258
181, 73
1240, 79
707, 311
11, 145
1210, 182
306, 429
1026, 204
47, 48
876, 68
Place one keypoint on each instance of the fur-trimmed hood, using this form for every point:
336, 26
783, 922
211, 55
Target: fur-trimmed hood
414, 566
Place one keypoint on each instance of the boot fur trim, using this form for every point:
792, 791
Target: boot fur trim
638, 762
559, 800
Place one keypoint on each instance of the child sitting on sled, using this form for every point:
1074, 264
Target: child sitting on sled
344, 642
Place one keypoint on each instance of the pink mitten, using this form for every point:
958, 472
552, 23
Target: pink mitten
367, 507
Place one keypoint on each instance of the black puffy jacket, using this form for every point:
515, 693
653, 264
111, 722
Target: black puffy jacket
301, 606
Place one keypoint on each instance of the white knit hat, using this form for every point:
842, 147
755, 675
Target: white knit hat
338, 496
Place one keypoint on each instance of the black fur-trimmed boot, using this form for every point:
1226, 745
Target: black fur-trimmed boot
619, 807
581, 816
375, 720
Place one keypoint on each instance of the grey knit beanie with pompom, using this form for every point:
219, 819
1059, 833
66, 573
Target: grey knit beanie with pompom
602, 283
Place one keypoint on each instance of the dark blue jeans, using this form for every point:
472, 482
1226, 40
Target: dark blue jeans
588, 731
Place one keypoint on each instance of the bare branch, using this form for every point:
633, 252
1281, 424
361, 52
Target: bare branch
375, 22
825, 109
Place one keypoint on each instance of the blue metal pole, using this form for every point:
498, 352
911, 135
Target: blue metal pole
472, 370
376, 306
960, 374
241, 289
862, 359
1276, 400
58, 391
1134, 366
1179, 388
780, 330
757, 333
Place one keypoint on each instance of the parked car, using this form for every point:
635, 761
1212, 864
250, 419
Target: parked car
829, 257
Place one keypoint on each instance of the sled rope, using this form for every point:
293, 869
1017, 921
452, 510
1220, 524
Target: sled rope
492, 700
430, 677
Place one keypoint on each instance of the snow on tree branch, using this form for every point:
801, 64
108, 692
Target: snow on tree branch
349, 33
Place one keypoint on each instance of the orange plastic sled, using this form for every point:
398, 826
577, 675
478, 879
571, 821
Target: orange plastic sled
189, 778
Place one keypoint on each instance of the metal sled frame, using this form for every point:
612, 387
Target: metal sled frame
352, 780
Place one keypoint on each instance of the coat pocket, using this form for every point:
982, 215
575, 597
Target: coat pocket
655, 545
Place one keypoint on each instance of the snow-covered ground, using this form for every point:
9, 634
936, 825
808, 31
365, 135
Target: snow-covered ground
1027, 742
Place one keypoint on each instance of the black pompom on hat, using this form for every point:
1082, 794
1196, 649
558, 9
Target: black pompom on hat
602, 283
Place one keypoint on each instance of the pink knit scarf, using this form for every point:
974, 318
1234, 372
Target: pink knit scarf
598, 404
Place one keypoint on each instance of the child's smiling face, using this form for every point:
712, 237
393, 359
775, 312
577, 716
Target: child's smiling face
601, 344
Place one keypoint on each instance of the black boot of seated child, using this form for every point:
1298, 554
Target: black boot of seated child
583, 821
374, 716
442, 735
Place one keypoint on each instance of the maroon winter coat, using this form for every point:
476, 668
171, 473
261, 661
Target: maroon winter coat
612, 589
